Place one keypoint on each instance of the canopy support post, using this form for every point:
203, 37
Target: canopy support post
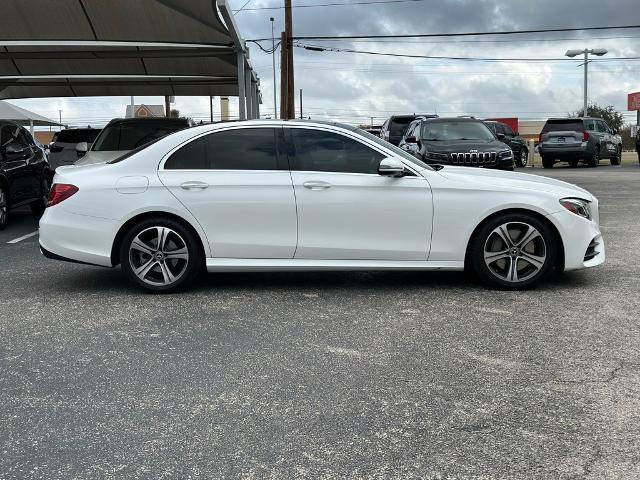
241, 90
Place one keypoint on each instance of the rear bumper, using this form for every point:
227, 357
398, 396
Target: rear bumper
77, 238
580, 150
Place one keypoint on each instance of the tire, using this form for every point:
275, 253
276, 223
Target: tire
38, 207
168, 269
523, 158
4, 208
547, 162
573, 163
594, 161
617, 159
514, 240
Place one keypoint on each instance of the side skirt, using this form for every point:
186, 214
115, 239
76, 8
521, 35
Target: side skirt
287, 265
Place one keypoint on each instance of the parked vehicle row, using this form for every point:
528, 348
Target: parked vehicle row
298, 195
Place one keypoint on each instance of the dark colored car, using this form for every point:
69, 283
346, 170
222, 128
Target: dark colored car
62, 149
24, 172
465, 142
518, 145
574, 139
395, 127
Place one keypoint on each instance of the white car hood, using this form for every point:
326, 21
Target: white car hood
92, 157
502, 180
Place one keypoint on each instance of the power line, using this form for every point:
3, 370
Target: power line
314, 5
462, 34
321, 48
511, 40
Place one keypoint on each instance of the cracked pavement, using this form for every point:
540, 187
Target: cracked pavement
331, 375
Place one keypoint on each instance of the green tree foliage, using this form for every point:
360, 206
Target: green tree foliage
174, 113
609, 114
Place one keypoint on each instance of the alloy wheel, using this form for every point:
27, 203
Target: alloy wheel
515, 252
159, 256
3, 207
524, 158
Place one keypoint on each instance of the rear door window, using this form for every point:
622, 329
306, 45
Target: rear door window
76, 135
238, 149
600, 126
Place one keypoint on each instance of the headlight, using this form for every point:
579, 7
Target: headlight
578, 206
435, 156
505, 153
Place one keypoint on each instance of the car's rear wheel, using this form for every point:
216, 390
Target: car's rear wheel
38, 207
160, 255
4, 208
547, 162
523, 158
617, 158
594, 161
513, 250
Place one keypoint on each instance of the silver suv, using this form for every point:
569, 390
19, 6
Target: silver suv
575, 139
62, 149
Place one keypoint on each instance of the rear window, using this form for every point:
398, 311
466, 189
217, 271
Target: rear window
122, 136
399, 125
568, 125
77, 135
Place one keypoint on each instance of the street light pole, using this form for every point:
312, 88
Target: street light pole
574, 53
273, 59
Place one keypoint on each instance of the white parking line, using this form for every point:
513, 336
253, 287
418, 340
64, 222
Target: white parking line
24, 237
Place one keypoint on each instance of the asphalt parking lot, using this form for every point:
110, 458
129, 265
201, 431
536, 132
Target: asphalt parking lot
331, 375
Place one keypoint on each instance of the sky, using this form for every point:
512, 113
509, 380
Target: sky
354, 87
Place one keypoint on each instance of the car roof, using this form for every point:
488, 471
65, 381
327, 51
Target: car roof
164, 120
450, 119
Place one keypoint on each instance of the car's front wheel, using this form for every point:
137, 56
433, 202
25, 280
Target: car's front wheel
160, 255
523, 158
513, 250
4, 208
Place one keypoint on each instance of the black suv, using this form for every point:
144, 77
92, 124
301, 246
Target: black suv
466, 142
395, 127
574, 139
24, 172
505, 134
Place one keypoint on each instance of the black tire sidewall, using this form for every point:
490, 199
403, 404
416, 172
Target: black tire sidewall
196, 259
519, 161
477, 249
547, 162
6, 199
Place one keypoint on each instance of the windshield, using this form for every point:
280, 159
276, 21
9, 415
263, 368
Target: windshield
398, 151
454, 130
124, 136
76, 135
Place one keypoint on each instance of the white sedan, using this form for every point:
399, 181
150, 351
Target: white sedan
296, 195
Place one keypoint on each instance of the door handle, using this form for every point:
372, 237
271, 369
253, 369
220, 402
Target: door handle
316, 185
194, 185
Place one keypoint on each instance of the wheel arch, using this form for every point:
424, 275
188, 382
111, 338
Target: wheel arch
117, 242
559, 265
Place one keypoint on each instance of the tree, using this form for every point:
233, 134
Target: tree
609, 114
174, 113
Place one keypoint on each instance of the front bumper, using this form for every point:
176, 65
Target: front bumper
579, 238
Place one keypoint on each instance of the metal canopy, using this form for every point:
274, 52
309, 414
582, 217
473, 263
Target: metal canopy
74, 48
24, 117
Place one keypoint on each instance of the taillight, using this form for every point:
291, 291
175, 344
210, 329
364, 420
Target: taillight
60, 192
585, 136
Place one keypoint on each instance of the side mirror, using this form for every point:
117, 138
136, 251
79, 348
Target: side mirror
82, 148
411, 140
500, 136
391, 167
15, 149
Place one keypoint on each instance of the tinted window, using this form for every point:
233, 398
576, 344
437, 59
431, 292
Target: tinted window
76, 135
563, 126
120, 136
320, 151
241, 149
600, 126
507, 130
6, 135
589, 125
455, 130
193, 156
399, 125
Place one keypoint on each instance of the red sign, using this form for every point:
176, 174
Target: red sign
634, 101
512, 122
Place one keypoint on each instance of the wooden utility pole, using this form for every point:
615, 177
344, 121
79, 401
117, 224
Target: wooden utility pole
284, 77
167, 106
288, 28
